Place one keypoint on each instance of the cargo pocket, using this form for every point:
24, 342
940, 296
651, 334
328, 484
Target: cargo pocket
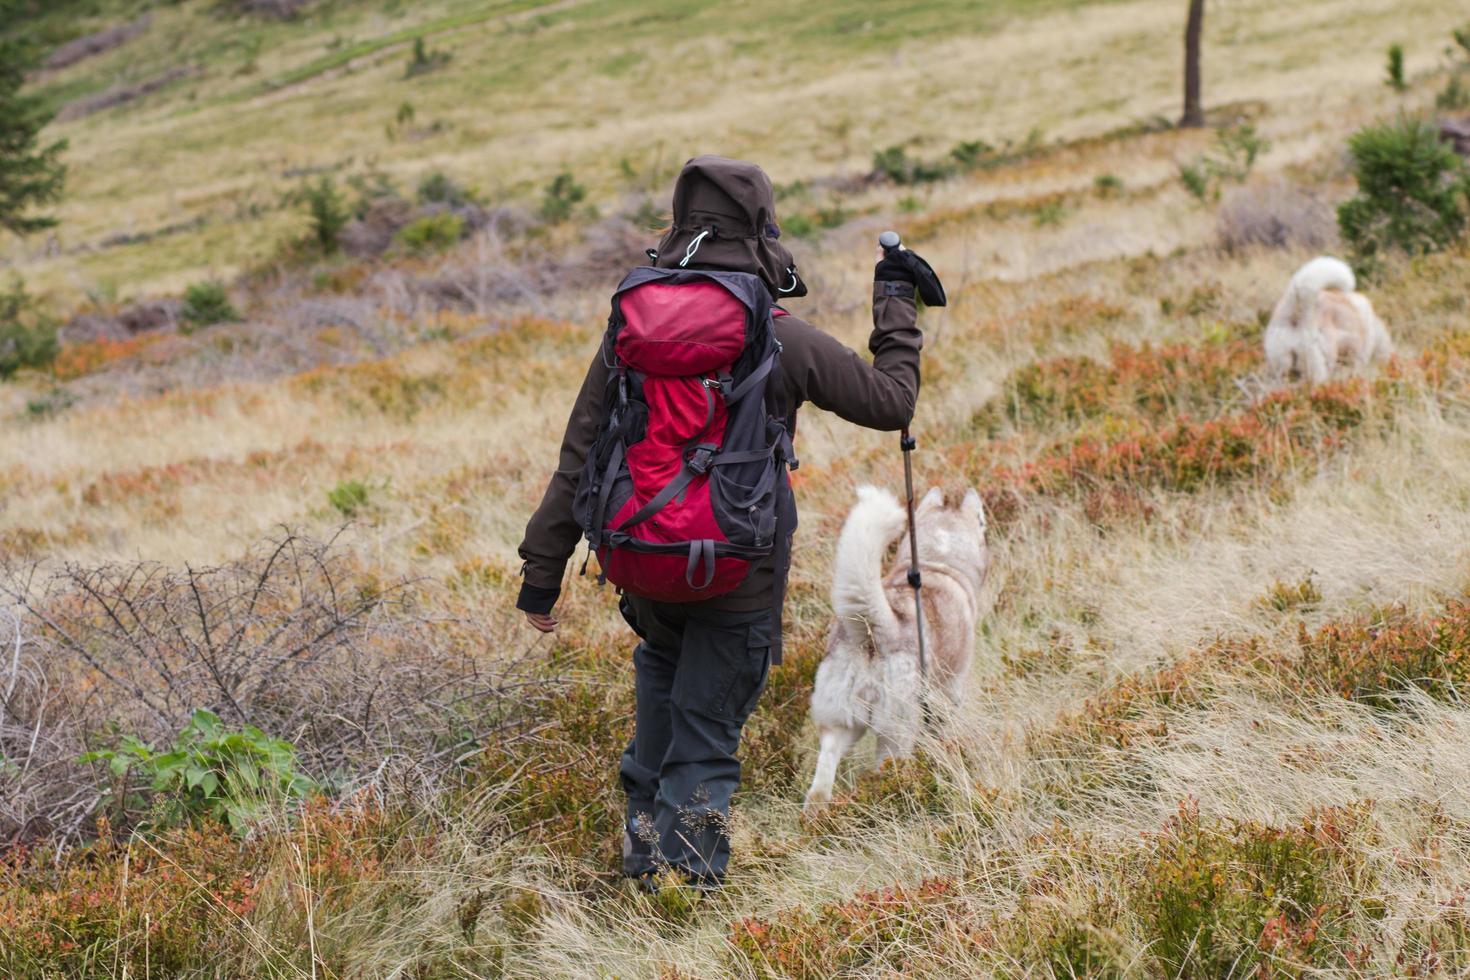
750, 680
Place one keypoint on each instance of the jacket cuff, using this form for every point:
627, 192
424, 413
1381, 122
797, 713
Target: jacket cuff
537, 599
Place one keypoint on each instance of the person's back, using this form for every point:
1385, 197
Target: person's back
702, 665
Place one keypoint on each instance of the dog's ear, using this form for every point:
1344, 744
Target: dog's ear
933, 500
974, 506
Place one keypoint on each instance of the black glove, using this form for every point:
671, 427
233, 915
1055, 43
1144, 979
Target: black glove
901, 265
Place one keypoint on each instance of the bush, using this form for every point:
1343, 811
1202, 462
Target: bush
895, 164
1108, 185
349, 497
423, 60
561, 197
1455, 95
806, 225
27, 335
1395, 79
971, 154
1149, 383
207, 303
1376, 659
1239, 898
873, 933
165, 907
1412, 193
209, 774
328, 214
432, 232
439, 188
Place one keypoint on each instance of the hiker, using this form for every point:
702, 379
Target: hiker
662, 447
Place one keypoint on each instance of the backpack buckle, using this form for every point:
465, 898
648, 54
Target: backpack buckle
713, 384
699, 459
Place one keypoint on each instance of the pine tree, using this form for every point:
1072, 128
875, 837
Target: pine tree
31, 175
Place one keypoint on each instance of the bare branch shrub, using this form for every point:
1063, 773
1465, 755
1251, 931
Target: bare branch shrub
293, 638
1275, 214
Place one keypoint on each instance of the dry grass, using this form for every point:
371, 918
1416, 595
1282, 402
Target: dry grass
1149, 776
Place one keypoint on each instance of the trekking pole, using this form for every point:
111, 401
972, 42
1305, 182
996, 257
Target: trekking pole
889, 242
916, 580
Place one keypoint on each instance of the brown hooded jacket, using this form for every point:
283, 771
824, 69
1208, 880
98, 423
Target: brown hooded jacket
731, 204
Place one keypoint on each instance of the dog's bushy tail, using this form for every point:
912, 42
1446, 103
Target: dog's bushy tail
1321, 273
857, 582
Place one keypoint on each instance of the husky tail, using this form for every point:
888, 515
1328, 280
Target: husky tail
1319, 274
857, 583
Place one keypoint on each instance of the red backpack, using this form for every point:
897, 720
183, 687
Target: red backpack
687, 485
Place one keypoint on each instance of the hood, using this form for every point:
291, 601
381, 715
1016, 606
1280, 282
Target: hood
725, 218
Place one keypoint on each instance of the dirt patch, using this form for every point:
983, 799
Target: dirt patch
93, 44
279, 9
142, 317
121, 94
1456, 132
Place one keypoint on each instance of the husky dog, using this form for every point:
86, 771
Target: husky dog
870, 677
1323, 322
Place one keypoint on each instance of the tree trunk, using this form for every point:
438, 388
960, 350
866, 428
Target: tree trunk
1194, 113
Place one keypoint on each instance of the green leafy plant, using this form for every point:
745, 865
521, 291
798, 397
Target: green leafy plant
432, 232
1413, 193
1108, 185
1395, 70
349, 497
27, 334
1236, 151
1196, 179
561, 197
210, 773
207, 303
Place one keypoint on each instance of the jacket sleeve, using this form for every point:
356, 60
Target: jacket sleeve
880, 395
553, 532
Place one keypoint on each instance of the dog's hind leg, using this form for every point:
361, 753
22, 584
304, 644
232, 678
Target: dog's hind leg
836, 743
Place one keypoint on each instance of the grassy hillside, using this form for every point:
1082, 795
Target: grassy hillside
1215, 726
604, 89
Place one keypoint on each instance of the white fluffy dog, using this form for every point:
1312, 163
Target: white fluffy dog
1323, 322
870, 676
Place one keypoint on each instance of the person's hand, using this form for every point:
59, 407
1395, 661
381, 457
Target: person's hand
542, 622
894, 267
901, 265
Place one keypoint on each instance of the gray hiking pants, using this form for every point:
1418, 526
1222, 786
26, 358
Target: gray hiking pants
699, 673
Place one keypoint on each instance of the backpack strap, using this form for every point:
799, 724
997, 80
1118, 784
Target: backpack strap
756, 377
700, 552
696, 465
